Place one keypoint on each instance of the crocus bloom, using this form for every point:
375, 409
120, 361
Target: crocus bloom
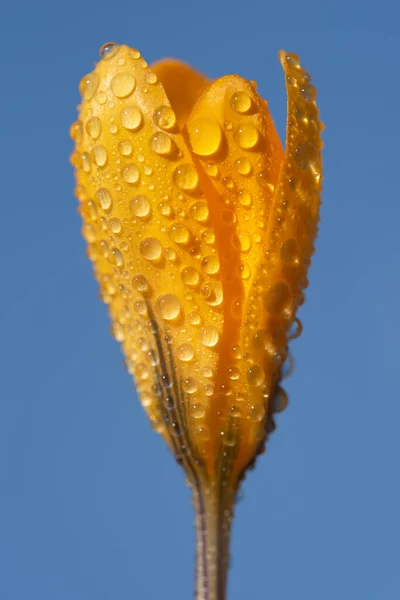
200, 228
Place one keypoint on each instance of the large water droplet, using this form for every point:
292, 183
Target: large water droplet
247, 136
210, 264
151, 248
131, 118
161, 143
205, 136
200, 211
130, 173
140, 206
186, 352
209, 336
104, 198
100, 155
185, 177
168, 306
108, 50
241, 102
140, 284
93, 127
255, 375
190, 276
123, 84
179, 233
88, 86
164, 118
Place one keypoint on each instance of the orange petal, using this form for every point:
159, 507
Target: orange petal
239, 153
183, 85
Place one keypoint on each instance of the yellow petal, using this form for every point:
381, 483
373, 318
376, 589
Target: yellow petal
150, 237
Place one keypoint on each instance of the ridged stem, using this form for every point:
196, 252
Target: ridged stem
214, 513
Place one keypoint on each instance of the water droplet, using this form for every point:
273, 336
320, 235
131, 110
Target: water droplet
104, 198
212, 170
140, 307
289, 252
305, 155
280, 400
212, 293
190, 385
247, 136
179, 233
100, 155
292, 60
76, 131
233, 373
245, 198
255, 375
236, 308
130, 173
194, 318
185, 177
190, 276
131, 118
199, 211
205, 136
88, 86
93, 127
295, 329
228, 217
161, 143
151, 248
242, 241
210, 264
164, 118
86, 162
125, 148
108, 50
140, 284
168, 306
140, 206
118, 258
308, 92
123, 84
244, 271
101, 97
115, 226
170, 254
243, 166
150, 78
278, 298
197, 410
257, 412
209, 336
241, 102
186, 352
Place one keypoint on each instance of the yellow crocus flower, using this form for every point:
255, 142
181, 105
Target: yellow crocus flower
200, 228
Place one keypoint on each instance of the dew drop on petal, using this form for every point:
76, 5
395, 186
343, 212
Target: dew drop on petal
169, 306
164, 118
209, 336
131, 118
241, 102
151, 248
123, 84
205, 136
140, 206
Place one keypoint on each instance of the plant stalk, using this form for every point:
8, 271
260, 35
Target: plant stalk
214, 514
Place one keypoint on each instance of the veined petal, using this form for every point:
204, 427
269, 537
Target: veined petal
152, 243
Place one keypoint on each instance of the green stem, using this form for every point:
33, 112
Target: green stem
214, 513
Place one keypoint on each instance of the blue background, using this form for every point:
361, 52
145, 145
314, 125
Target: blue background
93, 506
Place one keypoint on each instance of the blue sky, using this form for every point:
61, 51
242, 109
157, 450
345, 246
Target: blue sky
92, 505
